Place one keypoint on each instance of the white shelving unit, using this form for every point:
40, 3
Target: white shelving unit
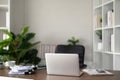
11, 13
4, 16
106, 18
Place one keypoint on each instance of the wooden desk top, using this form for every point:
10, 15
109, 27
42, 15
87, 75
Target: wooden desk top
41, 75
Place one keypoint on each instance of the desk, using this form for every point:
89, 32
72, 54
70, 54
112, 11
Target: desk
41, 75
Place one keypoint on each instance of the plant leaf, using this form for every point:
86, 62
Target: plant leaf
7, 41
24, 31
29, 36
33, 44
8, 33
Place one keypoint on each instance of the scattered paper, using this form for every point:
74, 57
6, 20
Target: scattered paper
97, 72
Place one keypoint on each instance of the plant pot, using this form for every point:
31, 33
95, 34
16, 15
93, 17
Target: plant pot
9, 64
99, 46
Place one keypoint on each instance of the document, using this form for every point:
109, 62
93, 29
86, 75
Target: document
97, 72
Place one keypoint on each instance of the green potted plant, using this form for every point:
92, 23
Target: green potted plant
19, 47
99, 34
73, 41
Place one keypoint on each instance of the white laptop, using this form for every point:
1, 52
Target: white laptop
62, 64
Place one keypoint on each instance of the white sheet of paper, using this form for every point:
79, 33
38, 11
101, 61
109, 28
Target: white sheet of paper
11, 78
94, 72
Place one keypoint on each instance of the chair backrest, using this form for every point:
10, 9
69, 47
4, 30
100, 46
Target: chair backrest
79, 49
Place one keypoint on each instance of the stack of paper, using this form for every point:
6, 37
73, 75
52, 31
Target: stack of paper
21, 70
97, 72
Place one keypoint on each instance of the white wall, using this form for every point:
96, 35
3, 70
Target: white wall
17, 15
55, 21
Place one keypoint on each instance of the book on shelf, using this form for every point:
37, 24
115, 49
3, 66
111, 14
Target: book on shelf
97, 21
97, 72
112, 42
110, 15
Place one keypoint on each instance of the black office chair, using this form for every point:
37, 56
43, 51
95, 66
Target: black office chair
79, 49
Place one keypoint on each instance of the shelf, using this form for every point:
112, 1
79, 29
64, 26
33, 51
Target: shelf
4, 7
107, 27
98, 51
97, 3
98, 29
108, 52
106, 17
117, 26
108, 2
104, 4
117, 53
3, 28
98, 6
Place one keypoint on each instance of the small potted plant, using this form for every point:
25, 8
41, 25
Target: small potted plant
73, 41
99, 34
